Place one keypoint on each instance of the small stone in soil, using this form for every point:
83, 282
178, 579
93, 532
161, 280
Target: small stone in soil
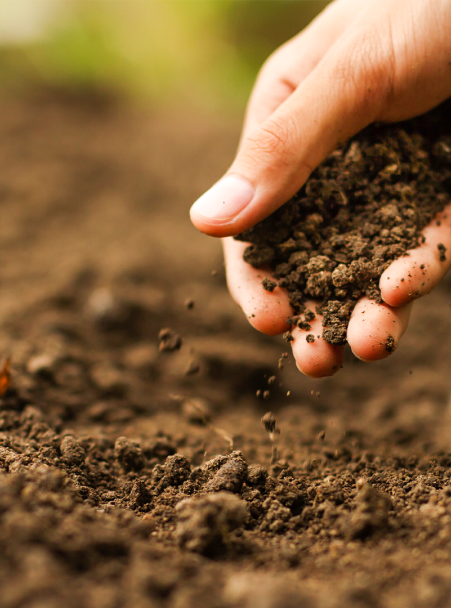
266, 394
271, 380
322, 435
169, 340
189, 303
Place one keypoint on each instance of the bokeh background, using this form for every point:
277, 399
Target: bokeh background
206, 52
115, 115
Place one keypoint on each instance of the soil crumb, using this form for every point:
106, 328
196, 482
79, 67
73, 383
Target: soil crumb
169, 340
390, 344
442, 252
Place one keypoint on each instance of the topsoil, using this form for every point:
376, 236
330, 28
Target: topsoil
363, 207
135, 470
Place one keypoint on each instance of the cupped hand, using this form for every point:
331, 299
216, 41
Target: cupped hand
357, 63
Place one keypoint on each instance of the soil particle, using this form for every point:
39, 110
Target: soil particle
310, 338
256, 475
177, 469
258, 256
390, 344
128, 454
269, 422
205, 523
230, 476
71, 451
169, 340
268, 284
363, 207
442, 252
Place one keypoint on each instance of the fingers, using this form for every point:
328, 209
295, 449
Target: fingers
222, 210
315, 357
410, 277
373, 333
269, 311
332, 103
292, 63
365, 75
375, 329
266, 311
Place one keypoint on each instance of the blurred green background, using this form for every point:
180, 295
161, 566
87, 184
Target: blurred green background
205, 52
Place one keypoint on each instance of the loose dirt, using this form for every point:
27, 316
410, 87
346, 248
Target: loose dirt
125, 480
363, 207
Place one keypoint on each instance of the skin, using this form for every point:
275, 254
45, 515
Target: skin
358, 62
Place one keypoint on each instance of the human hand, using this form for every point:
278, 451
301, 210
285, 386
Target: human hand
357, 63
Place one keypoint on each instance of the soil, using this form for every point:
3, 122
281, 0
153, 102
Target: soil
126, 480
363, 207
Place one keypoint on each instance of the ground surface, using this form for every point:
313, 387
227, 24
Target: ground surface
97, 255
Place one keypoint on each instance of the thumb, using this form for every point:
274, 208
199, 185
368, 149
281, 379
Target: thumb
342, 95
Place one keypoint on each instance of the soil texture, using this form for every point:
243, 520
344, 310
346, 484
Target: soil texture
363, 207
129, 480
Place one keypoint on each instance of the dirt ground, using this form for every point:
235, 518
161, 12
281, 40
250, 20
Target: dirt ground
140, 478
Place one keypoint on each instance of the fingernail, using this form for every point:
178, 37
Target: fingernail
224, 200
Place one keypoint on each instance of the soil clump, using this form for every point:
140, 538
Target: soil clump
362, 208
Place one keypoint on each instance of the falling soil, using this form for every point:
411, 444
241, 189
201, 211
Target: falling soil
125, 480
362, 208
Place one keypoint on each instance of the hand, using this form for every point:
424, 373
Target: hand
359, 62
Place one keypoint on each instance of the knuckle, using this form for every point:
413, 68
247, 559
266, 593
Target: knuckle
279, 69
366, 68
274, 140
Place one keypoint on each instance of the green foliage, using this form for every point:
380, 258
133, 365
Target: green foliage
202, 51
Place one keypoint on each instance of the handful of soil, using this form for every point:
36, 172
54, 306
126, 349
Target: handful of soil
362, 208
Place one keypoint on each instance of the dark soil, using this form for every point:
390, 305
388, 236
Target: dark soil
363, 207
125, 480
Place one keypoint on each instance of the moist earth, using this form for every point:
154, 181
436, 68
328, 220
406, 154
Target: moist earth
127, 479
362, 208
